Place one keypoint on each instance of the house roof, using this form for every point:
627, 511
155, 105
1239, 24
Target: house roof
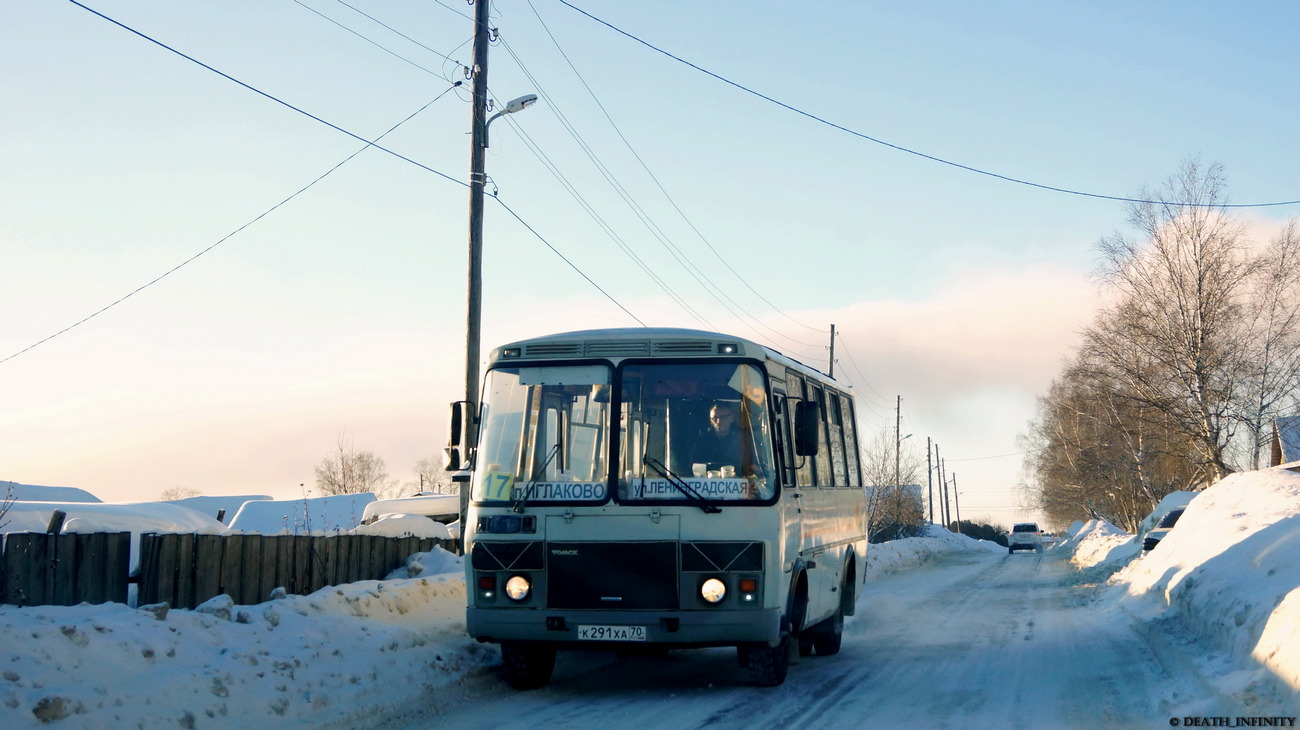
1286, 440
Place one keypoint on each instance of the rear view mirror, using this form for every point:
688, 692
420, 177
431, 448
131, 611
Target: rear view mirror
460, 437
807, 422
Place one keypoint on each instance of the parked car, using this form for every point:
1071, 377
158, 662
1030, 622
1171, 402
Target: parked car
1025, 536
1158, 532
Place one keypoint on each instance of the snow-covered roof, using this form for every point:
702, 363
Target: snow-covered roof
339, 513
213, 505
433, 505
35, 493
135, 517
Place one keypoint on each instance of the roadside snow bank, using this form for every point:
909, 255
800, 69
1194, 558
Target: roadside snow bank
1229, 569
301, 661
1098, 542
911, 552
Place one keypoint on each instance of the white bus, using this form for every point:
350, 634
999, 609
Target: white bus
612, 505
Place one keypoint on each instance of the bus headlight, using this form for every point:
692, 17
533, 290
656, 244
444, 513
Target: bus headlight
518, 588
712, 590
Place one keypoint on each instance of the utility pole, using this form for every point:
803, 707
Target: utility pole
956, 500
832, 367
898, 442
477, 177
938, 461
943, 487
929, 479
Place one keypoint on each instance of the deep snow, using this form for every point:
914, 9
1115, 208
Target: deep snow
351, 654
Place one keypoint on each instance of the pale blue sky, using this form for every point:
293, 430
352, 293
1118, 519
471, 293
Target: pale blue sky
343, 310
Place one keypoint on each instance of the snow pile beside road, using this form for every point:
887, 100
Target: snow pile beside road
346, 653
1229, 569
1098, 542
911, 552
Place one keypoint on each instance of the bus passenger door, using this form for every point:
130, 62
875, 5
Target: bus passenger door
791, 490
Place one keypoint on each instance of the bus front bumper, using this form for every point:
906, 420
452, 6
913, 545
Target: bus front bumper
674, 628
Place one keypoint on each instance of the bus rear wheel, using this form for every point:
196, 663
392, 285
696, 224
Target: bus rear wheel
767, 665
827, 635
526, 665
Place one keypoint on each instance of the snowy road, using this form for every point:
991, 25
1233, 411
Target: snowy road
978, 640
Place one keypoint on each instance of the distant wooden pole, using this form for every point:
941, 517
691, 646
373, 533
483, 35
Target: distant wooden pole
831, 370
929, 478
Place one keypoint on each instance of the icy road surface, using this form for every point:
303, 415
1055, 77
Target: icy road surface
977, 640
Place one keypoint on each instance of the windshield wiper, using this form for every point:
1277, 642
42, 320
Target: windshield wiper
693, 496
522, 501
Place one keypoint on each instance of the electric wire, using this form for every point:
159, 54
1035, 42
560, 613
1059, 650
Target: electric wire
662, 189
539, 236
446, 57
592, 156
637, 210
374, 43
228, 236
900, 148
552, 168
271, 97
368, 144
399, 33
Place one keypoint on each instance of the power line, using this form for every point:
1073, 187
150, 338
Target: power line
663, 190
259, 92
900, 148
375, 43
368, 144
566, 260
228, 236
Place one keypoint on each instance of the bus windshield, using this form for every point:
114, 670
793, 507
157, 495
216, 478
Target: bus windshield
544, 435
697, 428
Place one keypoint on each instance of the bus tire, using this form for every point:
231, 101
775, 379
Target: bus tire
526, 665
829, 634
767, 666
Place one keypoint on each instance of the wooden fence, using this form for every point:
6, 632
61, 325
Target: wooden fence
185, 570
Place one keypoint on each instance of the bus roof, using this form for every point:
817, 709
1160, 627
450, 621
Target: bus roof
621, 342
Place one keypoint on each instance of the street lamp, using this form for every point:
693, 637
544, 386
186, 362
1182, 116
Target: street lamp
477, 178
515, 105
898, 457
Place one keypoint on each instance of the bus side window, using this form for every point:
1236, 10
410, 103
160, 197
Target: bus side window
836, 423
851, 441
781, 441
803, 465
824, 476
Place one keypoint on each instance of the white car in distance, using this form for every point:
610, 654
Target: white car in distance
1025, 536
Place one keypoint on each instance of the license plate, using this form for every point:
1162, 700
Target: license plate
611, 633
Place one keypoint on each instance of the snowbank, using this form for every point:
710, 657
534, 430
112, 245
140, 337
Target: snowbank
911, 552
405, 526
1229, 569
302, 661
319, 515
1098, 542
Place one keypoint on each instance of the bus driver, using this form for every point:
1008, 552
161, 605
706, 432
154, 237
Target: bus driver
719, 444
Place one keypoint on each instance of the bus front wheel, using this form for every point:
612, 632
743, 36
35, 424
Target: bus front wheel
526, 665
767, 665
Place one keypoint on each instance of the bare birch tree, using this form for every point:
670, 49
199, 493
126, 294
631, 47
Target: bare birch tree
434, 477
350, 470
1173, 340
893, 510
1271, 377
